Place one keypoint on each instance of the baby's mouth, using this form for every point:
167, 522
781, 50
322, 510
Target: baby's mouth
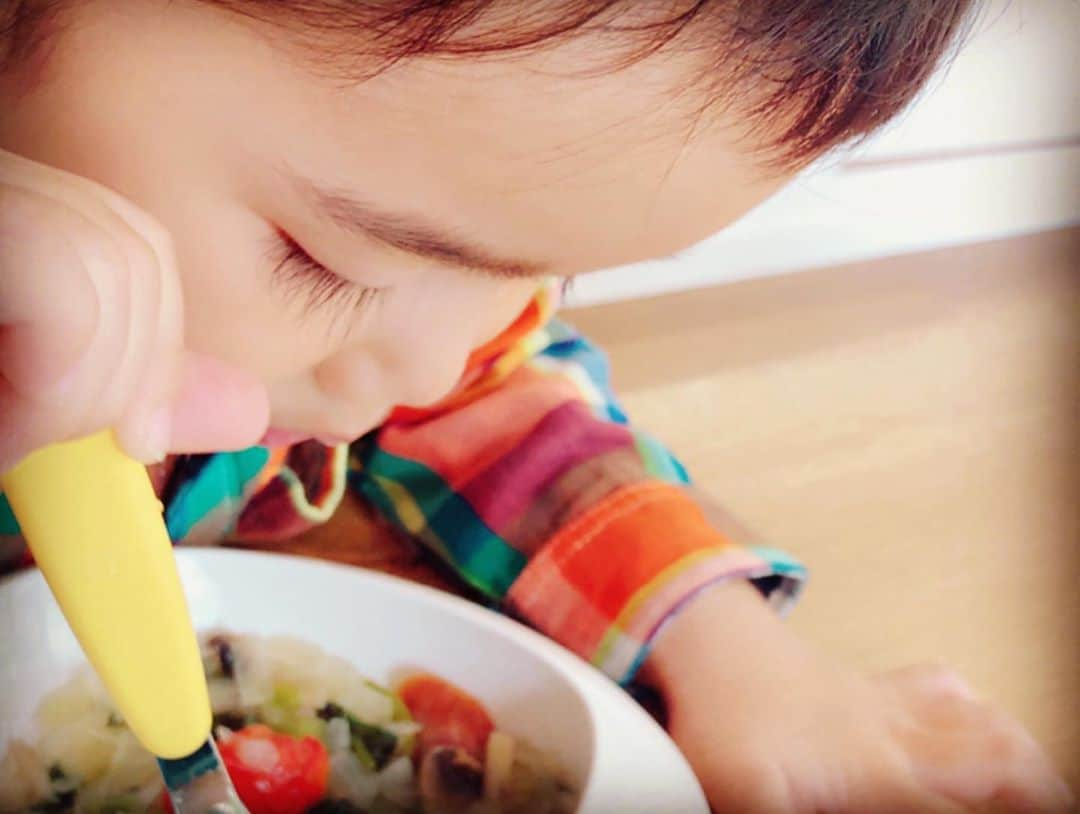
276, 437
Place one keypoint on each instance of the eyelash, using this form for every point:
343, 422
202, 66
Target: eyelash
298, 270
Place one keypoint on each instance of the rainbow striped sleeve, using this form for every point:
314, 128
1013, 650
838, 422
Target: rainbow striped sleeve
530, 483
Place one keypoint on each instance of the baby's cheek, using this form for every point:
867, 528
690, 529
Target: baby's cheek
426, 382
426, 335
502, 307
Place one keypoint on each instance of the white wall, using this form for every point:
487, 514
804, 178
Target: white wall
991, 150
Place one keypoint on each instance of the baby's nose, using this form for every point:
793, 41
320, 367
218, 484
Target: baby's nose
417, 376
352, 377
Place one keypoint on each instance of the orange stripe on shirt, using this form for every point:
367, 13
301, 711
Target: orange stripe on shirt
614, 549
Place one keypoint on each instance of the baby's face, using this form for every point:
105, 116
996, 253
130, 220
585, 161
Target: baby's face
434, 196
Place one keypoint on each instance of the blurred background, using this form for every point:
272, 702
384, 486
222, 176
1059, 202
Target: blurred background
991, 150
879, 371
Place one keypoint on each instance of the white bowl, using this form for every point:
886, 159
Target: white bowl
616, 753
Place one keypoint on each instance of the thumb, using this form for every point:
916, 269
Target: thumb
217, 407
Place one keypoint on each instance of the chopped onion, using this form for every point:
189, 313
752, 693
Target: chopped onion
498, 763
338, 736
224, 695
397, 782
223, 734
23, 780
349, 780
403, 729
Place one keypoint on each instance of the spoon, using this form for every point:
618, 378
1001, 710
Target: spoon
95, 527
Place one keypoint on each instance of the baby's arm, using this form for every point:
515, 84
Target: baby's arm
769, 725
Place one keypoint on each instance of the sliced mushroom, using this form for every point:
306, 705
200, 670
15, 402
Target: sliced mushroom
451, 780
219, 657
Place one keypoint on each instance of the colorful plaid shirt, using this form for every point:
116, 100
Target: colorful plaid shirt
527, 480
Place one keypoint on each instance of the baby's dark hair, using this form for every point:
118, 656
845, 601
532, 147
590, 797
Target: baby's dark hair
811, 74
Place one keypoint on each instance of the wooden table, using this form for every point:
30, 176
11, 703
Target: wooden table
909, 428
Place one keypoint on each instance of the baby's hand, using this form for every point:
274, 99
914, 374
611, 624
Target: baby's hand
91, 328
771, 727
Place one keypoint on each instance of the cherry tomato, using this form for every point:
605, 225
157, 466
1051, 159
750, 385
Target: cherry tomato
449, 716
274, 773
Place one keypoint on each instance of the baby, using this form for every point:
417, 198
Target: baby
246, 233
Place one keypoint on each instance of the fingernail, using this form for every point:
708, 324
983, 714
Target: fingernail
153, 437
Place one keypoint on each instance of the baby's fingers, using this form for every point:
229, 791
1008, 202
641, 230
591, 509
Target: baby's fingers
1007, 768
91, 328
971, 753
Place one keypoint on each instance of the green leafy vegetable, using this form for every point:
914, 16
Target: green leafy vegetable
377, 744
372, 745
400, 711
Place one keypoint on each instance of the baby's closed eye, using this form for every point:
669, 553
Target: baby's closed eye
297, 272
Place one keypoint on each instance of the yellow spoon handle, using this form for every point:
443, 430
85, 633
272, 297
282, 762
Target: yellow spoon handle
94, 526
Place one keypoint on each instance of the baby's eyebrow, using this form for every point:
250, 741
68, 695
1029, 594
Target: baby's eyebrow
413, 234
